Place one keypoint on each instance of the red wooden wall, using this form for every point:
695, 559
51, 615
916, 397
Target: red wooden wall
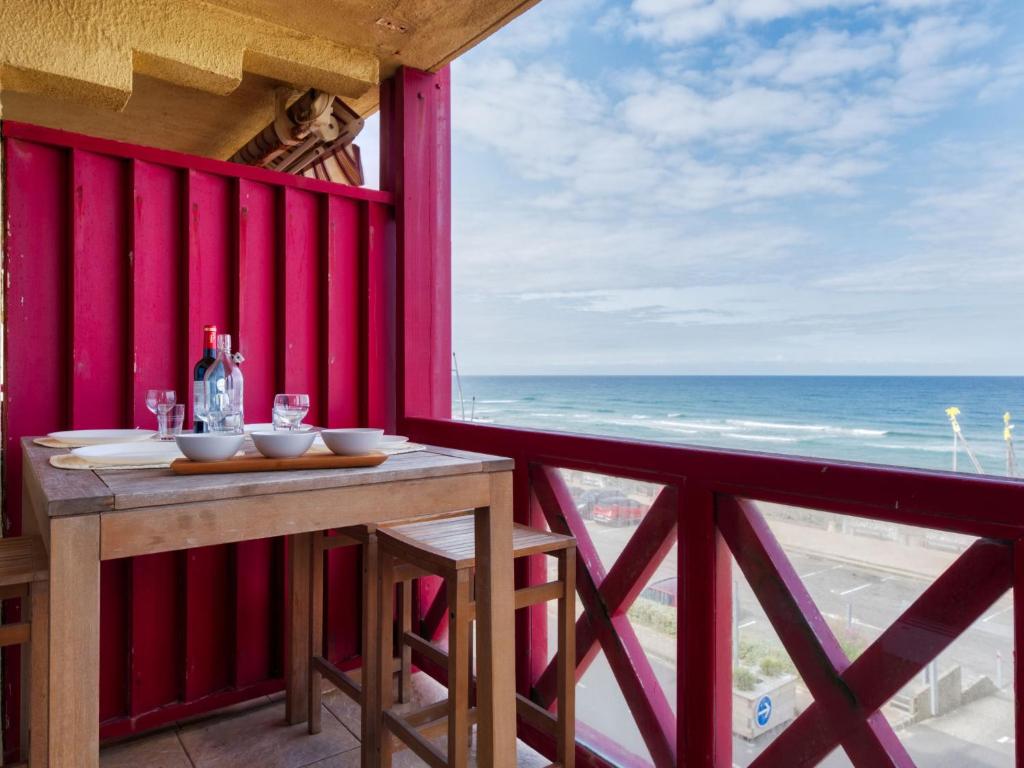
115, 258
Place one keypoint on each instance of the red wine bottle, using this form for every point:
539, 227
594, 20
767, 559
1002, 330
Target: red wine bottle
199, 371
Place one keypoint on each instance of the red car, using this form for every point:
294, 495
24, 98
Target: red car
618, 509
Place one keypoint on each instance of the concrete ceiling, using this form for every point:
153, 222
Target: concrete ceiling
202, 77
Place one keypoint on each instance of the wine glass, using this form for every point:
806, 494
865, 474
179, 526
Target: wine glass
290, 410
159, 402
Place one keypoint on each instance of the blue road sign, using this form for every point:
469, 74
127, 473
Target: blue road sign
764, 711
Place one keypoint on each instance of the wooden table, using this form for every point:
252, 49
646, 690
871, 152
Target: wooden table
86, 517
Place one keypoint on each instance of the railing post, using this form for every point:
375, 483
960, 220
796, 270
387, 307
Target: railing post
1018, 657
416, 166
704, 650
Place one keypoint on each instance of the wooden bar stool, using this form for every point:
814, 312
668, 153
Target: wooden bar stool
24, 573
446, 547
363, 536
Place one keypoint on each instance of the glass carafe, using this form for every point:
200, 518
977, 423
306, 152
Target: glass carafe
222, 394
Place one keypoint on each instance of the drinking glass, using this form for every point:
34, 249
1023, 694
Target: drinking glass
158, 401
225, 421
290, 410
174, 417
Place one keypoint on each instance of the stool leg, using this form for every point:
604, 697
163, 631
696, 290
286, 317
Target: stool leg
39, 675
472, 679
458, 668
383, 681
405, 589
370, 714
316, 630
567, 659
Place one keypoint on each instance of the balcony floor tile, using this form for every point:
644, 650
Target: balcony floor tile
256, 735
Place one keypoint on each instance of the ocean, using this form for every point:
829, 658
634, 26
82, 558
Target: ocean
897, 420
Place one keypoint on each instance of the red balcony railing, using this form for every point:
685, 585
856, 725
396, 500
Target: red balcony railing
708, 505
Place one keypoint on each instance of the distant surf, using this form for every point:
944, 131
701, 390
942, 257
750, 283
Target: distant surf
894, 420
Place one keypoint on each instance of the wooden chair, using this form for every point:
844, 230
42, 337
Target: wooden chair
363, 536
446, 547
24, 573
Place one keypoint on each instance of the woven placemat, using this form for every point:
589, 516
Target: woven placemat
52, 442
70, 461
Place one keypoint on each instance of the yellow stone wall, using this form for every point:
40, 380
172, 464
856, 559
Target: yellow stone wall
80, 64
89, 50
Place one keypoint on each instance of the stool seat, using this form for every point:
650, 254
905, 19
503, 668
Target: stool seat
23, 560
24, 574
450, 542
446, 547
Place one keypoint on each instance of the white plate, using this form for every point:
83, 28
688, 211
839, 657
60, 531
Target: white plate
130, 453
393, 439
102, 436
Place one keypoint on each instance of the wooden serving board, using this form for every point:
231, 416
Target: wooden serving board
263, 464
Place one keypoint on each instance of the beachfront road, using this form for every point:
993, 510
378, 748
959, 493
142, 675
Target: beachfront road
866, 602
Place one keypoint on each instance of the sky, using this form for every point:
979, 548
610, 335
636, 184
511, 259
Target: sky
741, 187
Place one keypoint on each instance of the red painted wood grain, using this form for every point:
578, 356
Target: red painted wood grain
299, 278
116, 257
157, 618
99, 376
36, 308
344, 331
257, 639
256, 323
155, 287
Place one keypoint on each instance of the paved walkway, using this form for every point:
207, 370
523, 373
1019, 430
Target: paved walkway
875, 554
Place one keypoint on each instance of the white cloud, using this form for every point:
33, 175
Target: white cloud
670, 22
756, 188
824, 54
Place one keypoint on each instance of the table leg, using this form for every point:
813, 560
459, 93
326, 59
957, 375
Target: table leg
74, 699
296, 705
496, 690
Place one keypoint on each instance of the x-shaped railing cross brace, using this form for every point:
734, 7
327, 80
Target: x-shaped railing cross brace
848, 695
604, 624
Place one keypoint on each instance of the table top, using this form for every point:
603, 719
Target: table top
64, 492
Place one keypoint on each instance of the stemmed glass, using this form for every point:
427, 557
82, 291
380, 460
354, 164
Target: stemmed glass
159, 402
290, 410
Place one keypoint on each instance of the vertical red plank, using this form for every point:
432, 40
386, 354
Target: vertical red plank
342, 331
343, 395
99, 290
343, 610
157, 339
704, 644
256, 585
100, 372
210, 264
299, 276
209, 612
380, 408
156, 622
156, 287
416, 153
255, 624
256, 326
35, 374
115, 612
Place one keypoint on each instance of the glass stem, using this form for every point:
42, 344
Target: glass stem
161, 424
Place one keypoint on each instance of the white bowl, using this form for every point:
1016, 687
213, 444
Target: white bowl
209, 447
283, 445
351, 442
